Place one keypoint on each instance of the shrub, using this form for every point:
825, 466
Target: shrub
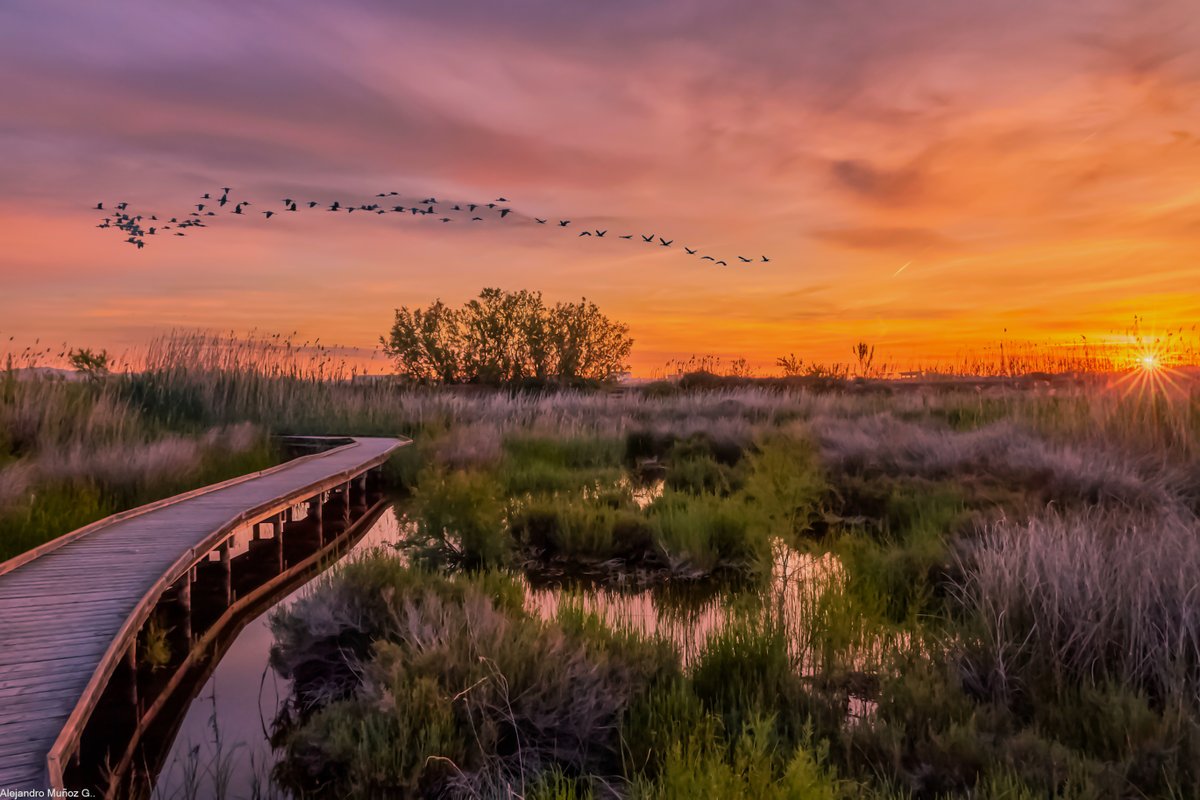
459, 521
700, 766
458, 695
785, 486
704, 534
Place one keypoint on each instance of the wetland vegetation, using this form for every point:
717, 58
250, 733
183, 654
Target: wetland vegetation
847, 589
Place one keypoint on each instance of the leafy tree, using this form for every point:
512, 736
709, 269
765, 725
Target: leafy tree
588, 345
93, 365
427, 343
508, 337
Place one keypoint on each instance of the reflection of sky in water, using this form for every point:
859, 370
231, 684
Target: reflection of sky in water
239, 701
797, 581
243, 695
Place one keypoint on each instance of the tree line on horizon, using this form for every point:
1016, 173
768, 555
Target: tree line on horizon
508, 338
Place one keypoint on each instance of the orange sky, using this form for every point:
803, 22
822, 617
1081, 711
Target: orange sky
924, 175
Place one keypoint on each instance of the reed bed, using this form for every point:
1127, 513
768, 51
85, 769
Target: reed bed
944, 588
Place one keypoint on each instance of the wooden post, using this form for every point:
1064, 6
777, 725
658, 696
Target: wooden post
278, 525
316, 510
346, 504
131, 667
226, 573
184, 598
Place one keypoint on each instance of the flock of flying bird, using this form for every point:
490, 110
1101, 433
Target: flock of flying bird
137, 228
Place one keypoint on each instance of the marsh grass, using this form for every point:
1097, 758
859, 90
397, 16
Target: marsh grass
960, 588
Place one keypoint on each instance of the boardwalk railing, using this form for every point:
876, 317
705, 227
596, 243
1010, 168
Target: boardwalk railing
77, 603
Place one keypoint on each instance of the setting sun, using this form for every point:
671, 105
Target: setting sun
600, 400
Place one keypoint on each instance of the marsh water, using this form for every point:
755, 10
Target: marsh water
223, 749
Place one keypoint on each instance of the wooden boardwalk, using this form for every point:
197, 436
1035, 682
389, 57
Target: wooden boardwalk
70, 610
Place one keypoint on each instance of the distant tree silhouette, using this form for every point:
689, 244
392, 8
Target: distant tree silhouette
505, 338
92, 364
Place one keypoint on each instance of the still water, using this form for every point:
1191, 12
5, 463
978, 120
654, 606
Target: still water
222, 749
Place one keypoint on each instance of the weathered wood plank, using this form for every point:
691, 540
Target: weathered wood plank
68, 609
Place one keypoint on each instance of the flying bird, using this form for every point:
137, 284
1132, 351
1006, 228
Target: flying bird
131, 224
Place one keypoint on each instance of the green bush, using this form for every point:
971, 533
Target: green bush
704, 534
785, 486
457, 694
579, 530
699, 766
459, 521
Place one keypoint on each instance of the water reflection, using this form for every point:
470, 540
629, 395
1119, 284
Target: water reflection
688, 616
223, 750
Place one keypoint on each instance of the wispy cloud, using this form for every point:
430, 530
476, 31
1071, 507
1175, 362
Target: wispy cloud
1003, 147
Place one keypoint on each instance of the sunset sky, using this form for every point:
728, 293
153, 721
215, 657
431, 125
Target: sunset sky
924, 174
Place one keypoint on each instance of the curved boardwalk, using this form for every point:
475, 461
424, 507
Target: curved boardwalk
70, 610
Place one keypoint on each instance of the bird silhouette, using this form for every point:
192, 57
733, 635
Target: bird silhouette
131, 224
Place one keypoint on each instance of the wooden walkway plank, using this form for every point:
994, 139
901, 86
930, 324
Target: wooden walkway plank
69, 609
